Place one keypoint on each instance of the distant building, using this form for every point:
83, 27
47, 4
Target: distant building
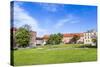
33, 39
39, 41
45, 38
81, 40
88, 36
67, 37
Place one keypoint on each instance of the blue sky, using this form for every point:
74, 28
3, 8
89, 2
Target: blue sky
48, 18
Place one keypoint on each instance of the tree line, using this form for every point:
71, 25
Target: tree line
23, 36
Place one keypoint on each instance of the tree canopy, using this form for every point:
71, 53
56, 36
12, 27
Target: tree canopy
55, 39
22, 36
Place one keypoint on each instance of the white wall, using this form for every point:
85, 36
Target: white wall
87, 37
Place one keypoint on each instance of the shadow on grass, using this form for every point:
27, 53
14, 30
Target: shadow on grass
87, 46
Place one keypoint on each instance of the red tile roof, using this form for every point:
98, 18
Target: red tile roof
72, 34
46, 37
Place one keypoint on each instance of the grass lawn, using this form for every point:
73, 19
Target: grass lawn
54, 54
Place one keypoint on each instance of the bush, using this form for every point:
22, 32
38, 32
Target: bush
88, 46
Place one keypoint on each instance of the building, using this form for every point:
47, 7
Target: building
39, 41
33, 39
45, 38
67, 37
88, 36
81, 40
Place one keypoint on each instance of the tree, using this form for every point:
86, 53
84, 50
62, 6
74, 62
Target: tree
55, 39
22, 36
74, 39
60, 36
94, 40
26, 26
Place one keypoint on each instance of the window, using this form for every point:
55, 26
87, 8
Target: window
88, 37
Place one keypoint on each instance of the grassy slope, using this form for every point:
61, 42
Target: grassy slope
49, 55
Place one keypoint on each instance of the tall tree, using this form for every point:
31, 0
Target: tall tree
22, 36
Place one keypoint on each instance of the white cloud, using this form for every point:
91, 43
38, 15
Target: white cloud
50, 7
61, 23
22, 17
68, 19
75, 21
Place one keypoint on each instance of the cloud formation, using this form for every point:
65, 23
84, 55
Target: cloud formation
21, 17
50, 7
68, 19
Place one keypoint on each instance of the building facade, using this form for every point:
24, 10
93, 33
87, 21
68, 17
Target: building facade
88, 36
33, 39
39, 41
67, 37
81, 39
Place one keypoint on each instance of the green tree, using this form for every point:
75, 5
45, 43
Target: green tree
74, 39
55, 39
94, 40
22, 36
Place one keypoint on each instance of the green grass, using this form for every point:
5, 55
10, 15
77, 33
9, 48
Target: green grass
54, 54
